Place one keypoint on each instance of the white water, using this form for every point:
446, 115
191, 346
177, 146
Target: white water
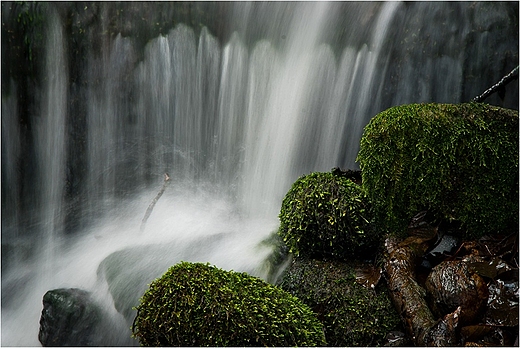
234, 124
182, 217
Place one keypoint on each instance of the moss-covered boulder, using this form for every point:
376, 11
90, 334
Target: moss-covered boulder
327, 215
352, 315
195, 304
458, 161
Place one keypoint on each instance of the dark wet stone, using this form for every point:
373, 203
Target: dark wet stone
69, 318
451, 284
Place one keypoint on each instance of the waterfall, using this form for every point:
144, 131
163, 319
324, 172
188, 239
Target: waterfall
50, 144
233, 114
306, 107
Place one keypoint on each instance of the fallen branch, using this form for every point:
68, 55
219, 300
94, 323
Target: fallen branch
410, 298
152, 204
504, 81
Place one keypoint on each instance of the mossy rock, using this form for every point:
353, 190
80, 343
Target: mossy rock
352, 315
195, 304
327, 215
458, 161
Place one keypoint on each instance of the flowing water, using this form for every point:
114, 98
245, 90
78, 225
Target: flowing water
234, 123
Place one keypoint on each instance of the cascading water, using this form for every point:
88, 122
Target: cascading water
50, 144
233, 119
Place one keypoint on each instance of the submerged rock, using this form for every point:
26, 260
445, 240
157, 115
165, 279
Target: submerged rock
128, 272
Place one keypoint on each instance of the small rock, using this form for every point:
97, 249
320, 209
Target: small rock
69, 318
451, 284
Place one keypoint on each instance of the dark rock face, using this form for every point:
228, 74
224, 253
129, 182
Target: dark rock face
69, 318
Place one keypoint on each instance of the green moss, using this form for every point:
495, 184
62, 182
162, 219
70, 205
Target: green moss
459, 161
325, 215
351, 314
195, 304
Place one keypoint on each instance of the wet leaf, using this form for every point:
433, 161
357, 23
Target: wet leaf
421, 228
368, 276
490, 269
501, 246
418, 219
471, 248
511, 274
446, 245
503, 303
475, 333
396, 339
443, 333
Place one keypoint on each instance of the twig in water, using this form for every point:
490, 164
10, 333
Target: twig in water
150, 207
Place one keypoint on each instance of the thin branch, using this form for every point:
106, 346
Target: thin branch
504, 81
152, 205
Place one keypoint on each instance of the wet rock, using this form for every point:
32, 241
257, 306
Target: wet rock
452, 284
69, 318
